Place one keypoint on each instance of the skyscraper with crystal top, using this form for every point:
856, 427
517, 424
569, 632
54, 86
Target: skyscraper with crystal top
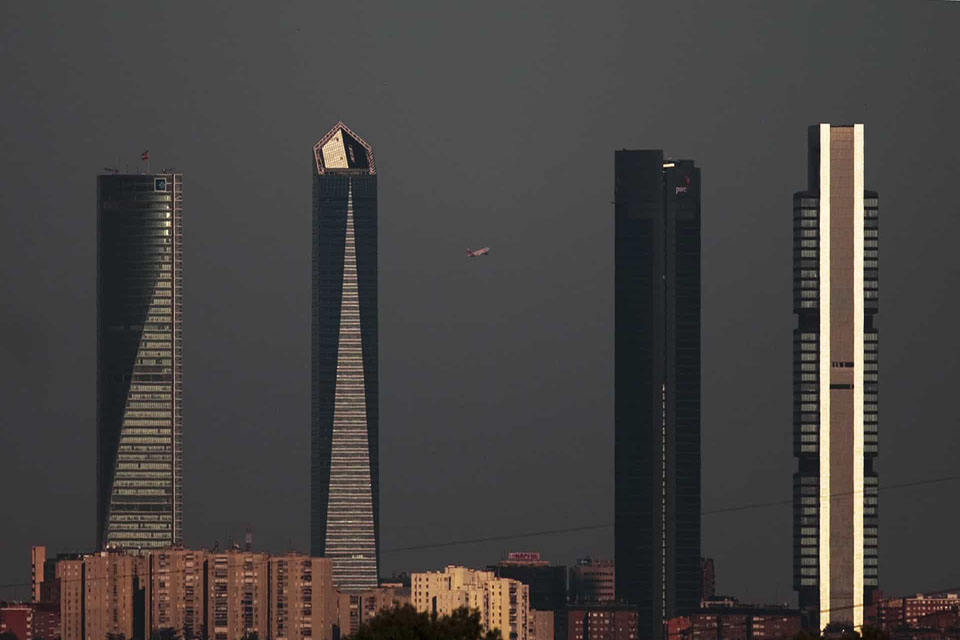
345, 490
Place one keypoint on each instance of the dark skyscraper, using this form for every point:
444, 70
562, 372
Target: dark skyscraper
657, 404
548, 583
139, 360
345, 489
835, 393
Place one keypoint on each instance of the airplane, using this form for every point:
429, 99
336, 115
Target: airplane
471, 253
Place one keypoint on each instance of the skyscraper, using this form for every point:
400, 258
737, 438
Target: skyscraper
139, 360
835, 380
657, 387
345, 490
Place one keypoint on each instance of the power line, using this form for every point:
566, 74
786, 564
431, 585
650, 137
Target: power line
514, 536
839, 494
607, 525
603, 525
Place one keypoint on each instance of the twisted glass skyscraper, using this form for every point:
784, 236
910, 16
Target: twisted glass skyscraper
345, 490
139, 360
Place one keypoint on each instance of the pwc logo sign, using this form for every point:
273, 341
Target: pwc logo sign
684, 187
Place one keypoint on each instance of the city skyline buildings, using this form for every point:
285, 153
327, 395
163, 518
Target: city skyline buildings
503, 603
835, 356
345, 489
657, 386
245, 134
139, 360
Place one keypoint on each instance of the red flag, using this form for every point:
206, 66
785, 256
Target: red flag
145, 155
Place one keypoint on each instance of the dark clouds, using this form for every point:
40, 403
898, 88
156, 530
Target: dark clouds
493, 124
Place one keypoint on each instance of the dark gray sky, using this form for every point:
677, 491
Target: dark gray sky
493, 124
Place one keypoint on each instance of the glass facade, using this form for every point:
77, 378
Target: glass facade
657, 386
139, 360
345, 412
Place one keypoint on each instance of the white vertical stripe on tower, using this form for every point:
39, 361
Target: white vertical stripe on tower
824, 335
350, 538
858, 375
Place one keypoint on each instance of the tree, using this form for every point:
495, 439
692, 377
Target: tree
116, 636
405, 623
164, 633
840, 631
8, 635
251, 635
845, 631
870, 632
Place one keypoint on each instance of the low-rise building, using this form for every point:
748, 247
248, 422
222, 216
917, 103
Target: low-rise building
358, 607
907, 611
46, 620
69, 575
303, 602
503, 603
109, 583
174, 596
17, 618
592, 581
197, 594
727, 619
542, 624
708, 579
600, 621
236, 594
38, 557
30, 620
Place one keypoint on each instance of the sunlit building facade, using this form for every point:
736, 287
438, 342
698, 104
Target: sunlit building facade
503, 603
139, 360
97, 595
174, 593
303, 602
237, 595
345, 500
657, 387
358, 607
835, 378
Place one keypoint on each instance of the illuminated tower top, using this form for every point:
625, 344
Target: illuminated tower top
343, 151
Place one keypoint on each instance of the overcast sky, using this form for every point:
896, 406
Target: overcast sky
493, 123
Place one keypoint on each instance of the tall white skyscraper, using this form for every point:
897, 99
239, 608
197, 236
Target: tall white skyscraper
835, 380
